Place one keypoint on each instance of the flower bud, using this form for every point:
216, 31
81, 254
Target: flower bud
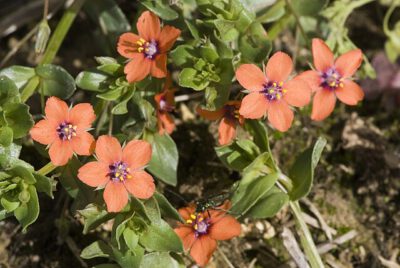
42, 37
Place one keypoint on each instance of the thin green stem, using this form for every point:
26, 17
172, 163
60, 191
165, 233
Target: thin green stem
61, 31
110, 120
49, 167
55, 42
387, 18
297, 18
305, 236
29, 88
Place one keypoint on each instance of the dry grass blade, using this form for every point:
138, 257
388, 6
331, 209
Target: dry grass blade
326, 247
322, 222
290, 243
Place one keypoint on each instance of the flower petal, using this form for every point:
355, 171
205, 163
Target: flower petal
323, 104
187, 235
322, 55
298, 92
350, 94
159, 66
127, 46
115, 196
56, 110
312, 78
108, 150
141, 185
279, 67
83, 143
94, 174
168, 37
226, 228
137, 154
226, 131
251, 77
202, 249
280, 116
348, 63
60, 152
165, 123
186, 212
148, 26
254, 106
210, 115
82, 115
138, 68
44, 131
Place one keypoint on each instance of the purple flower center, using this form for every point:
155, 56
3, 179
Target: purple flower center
331, 79
150, 49
273, 90
199, 224
165, 106
66, 131
119, 171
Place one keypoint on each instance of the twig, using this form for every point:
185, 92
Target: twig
314, 210
290, 243
314, 223
15, 48
45, 9
225, 258
392, 262
326, 247
187, 97
75, 250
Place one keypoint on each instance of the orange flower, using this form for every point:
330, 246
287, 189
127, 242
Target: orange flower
147, 51
272, 92
230, 119
201, 231
165, 104
64, 130
120, 171
332, 79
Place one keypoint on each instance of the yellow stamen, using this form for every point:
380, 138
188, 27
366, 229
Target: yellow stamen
193, 216
73, 134
341, 85
146, 49
278, 97
66, 129
271, 91
280, 83
274, 84
332, 84
140, 49
284, 90
117, 174
201, 218
129, 176
189, 221
195, 226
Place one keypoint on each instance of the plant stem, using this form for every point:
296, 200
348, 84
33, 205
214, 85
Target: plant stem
61, 31
55, 42
299, 26
305, 236
49, 167
110, 120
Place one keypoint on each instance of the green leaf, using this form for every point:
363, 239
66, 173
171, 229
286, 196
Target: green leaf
167, 210
302, 170
308, 7
9, 204
188, 77
121, 107
164, 160
153, 210
8, 91
131, 238
273, 13
161, 9
139, 208
259, 132
6, 136
94, 216
45, 184
68, 177
182, 55
24, 173
238, 154
9, 157
18, 118
92, 80
158, 260
27, 213
55, 81
161, 237
252, 192
255, 45
96, 249
18, 74
227, 29
269, 205
4, 214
